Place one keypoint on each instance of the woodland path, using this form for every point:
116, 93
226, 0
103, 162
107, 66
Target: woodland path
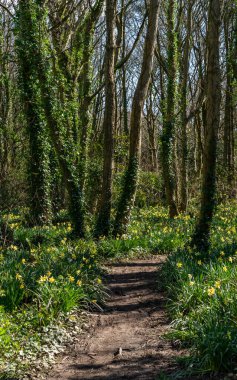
133, 322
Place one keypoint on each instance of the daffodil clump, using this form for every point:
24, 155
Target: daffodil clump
202, 296
44, 277
150, 230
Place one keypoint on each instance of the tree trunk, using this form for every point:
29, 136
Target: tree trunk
198, 144
39, 173
127, 197
228, 157
31, 22
169, 117
103, 221
200, 238
84, 84
184, 142
124, 76
151, 126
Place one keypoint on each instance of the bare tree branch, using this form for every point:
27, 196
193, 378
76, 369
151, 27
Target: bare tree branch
7, 10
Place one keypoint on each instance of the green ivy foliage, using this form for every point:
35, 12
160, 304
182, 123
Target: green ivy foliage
28, 31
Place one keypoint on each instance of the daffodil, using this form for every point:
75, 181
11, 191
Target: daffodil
217, 284
43, 279
13, 247
211, 291
179, 265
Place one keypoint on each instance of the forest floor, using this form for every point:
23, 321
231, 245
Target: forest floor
52, 289
125, 341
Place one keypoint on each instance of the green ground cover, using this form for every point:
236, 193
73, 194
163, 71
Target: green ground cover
46, 279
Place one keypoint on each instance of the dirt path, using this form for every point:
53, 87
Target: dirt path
124, 342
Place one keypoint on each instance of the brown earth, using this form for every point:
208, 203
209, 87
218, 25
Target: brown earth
125, 340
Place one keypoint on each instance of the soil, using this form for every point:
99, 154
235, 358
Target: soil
125, 340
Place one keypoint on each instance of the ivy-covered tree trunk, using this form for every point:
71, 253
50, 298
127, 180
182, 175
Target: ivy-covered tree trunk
31, 22
68, 167
27, 36
169, 113
201, 236
130, 179
57, 184
103, 221
85, 37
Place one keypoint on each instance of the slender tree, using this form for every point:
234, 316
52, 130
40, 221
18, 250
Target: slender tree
228, 156
201, 235
103, 220
183, 101
124, 73
130, 179
169, 112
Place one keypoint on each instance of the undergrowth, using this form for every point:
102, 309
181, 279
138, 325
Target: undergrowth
47, 279
203, 299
